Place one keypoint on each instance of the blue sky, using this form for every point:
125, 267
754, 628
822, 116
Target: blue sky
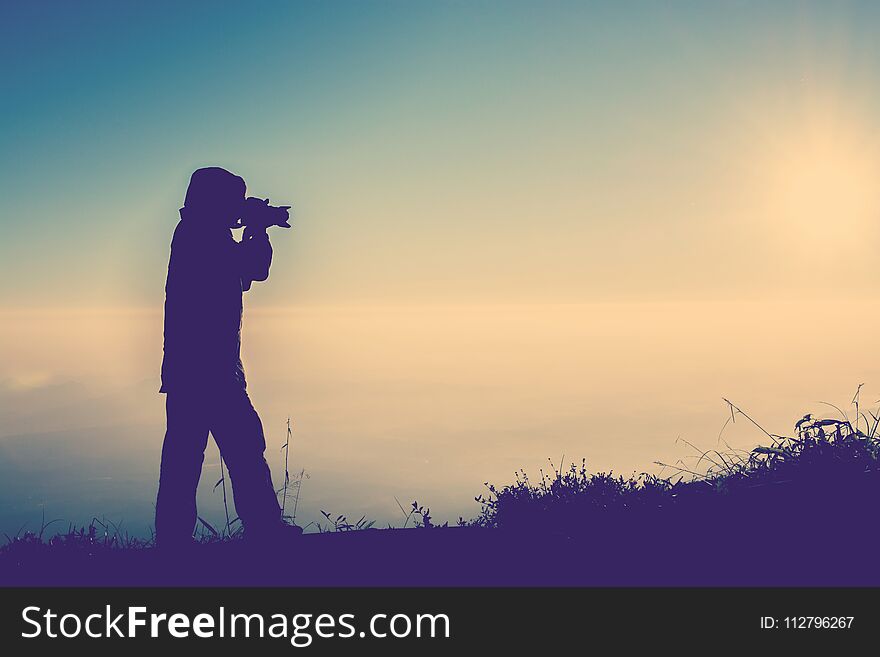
454, 151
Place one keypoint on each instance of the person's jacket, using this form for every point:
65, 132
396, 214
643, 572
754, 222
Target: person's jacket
207, 272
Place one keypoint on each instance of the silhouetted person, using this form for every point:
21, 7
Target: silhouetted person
202, 374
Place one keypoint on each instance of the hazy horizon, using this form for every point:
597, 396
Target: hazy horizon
423, 403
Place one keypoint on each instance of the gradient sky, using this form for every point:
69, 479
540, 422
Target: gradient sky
521, 230
449, 152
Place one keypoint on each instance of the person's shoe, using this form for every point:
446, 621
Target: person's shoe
284, 532
290, 531
280, 532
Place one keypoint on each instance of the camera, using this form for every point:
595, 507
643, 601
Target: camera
257, 213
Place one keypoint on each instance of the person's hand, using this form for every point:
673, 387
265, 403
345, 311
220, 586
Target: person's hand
253, 231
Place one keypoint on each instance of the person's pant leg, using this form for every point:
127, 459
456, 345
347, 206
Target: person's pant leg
238, 431
183, 452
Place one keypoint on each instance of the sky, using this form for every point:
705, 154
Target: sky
447, 152
521, 229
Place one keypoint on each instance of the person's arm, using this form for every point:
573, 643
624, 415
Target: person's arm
255, 256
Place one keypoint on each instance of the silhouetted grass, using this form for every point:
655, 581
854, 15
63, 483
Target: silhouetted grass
97, 538
827, 462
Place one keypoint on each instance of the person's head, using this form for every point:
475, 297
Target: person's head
214, 195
